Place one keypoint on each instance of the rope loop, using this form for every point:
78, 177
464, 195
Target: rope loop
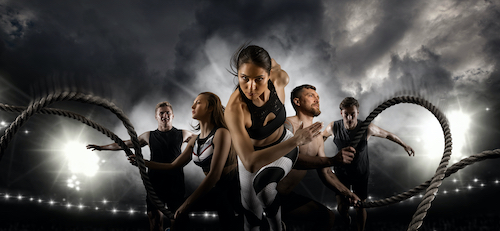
39, 106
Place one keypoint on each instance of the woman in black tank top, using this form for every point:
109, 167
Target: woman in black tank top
255, 116
219, 189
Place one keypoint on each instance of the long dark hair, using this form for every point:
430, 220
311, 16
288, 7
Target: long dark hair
217, 119
250, 54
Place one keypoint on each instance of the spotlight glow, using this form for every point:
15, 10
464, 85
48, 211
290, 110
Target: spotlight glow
459, 125
80, 159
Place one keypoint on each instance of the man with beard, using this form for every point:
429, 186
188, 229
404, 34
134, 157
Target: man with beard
356, 174
305, 101
165, 144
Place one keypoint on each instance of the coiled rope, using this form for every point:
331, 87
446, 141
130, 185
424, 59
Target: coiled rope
438, 177
489, 154
38, 106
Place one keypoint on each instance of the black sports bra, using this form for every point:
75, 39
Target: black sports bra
258, 114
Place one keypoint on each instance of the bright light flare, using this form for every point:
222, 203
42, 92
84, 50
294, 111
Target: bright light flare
432, 135
81, 160
459, 125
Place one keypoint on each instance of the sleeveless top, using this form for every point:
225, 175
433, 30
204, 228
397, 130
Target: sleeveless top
165, 147
342, 138
258, 114
203, 151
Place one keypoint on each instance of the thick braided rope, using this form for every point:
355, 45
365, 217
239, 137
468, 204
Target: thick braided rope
75, 116
37, 106
436, 181
489, 154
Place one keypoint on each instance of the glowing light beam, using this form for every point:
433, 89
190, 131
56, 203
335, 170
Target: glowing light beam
81, 160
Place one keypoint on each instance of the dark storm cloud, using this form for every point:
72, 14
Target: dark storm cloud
491, 31
394, 19
122, 45
421, 73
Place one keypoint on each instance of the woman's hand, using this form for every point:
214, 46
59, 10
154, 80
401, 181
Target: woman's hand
132, 159
306, 135
181, 210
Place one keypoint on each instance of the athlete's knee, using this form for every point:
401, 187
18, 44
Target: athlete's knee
325, 215
154, 214
360, 210
266, 176
343, 206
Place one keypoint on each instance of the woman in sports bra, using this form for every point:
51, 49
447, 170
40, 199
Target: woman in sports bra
211, 150
255, 115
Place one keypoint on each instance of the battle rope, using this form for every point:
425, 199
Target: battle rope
37, 106
75, 116
436, 181
490, 154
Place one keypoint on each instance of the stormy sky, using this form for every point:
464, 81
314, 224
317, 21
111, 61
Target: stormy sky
138, 53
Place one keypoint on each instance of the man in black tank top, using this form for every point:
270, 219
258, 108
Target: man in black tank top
356, 174
165, 144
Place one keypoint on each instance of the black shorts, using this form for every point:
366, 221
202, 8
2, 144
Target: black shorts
359, 184
292, 201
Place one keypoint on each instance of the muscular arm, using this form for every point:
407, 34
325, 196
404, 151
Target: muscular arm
376, 131
179, 162
143, 141
187, 136
344, 156
331, 181
328, 131
280, 79
222, 144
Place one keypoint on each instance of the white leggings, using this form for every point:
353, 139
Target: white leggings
258, 190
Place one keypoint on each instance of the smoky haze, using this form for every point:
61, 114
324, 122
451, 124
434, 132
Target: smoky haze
138, 54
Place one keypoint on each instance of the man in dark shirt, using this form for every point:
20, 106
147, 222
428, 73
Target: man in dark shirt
356, 174
165, 144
